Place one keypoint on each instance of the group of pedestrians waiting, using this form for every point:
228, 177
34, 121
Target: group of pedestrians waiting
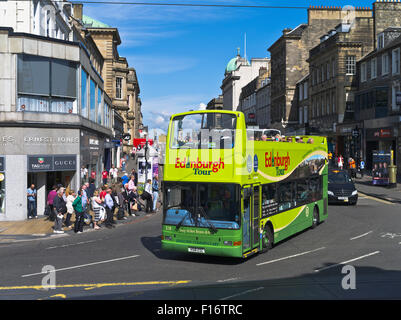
119, 197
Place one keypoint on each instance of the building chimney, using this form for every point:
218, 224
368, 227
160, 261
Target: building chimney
78, 10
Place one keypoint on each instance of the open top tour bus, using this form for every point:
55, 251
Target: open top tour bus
227, 192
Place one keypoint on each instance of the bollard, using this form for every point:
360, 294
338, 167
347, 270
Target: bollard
392, 170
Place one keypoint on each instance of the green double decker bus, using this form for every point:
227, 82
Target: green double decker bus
232, 191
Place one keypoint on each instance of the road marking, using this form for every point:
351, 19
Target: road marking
231, 279
362, 235
82, 265
375, 199
289, 257
242, 293
348, 261
72, 244
93, 285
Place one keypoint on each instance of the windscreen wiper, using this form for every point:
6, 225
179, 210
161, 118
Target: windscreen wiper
211, 227
189, 213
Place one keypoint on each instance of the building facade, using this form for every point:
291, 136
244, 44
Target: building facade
332, 67
239, 72
289, 55
378, 99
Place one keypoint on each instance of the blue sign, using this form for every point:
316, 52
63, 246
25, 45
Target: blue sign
255, 163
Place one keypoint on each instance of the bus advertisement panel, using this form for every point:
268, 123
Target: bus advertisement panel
230, 193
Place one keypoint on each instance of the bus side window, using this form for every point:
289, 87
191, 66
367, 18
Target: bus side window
285, 195
302, 192
315, 189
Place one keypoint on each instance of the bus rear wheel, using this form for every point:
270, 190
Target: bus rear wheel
316, 219
267, 239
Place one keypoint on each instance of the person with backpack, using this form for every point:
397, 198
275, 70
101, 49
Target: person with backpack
60, 209
79, 216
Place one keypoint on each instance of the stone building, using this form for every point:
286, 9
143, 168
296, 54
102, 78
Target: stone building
255, 100
215, 103
332, 68
303, 102
120, 80
289, 56
55, 116
378, 99
239, 72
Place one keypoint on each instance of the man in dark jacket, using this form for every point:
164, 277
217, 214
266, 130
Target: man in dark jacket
60, 208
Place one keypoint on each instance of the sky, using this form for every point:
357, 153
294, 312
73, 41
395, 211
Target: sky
180, 53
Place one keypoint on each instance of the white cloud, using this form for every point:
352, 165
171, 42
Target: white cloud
202, 106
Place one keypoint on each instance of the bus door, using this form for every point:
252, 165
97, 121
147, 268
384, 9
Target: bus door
246, 218
255, 216
250, 217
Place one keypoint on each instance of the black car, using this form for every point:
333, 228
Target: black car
341, 188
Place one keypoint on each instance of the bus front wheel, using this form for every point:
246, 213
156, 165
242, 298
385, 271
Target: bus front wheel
267, 239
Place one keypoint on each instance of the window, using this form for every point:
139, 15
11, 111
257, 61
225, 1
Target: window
334, 102
350, 65
396, 61
300, 110
286, 196
306, 90
373, 68
269, 200
323, 73
327, 104
84, 93
305, 114
119, 87
46, 85
396, 96
99, 105
328, 71
385, 64
333, 72
315, 189
301, 91
380, 41
363, 72
92, 101
302, 192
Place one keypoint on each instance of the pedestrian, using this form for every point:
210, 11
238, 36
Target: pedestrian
362, 167
155, 190
147, 195
79, 216
91, 188
123, 164
98, 209
340, 162
84, 174
133, 152
135, 174
120, 201
127, 199
70, 209
50, 197
124, 178
31, 195
113, 173
60, 208
105, 175
108, 200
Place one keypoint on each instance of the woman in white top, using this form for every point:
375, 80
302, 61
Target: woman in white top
70, 210
98, 209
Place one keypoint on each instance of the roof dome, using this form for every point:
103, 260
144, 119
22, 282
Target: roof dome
93, 23
232, 65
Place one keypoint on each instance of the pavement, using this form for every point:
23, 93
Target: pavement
31, 229
364, 185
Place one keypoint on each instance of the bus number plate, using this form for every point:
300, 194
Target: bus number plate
196, 250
